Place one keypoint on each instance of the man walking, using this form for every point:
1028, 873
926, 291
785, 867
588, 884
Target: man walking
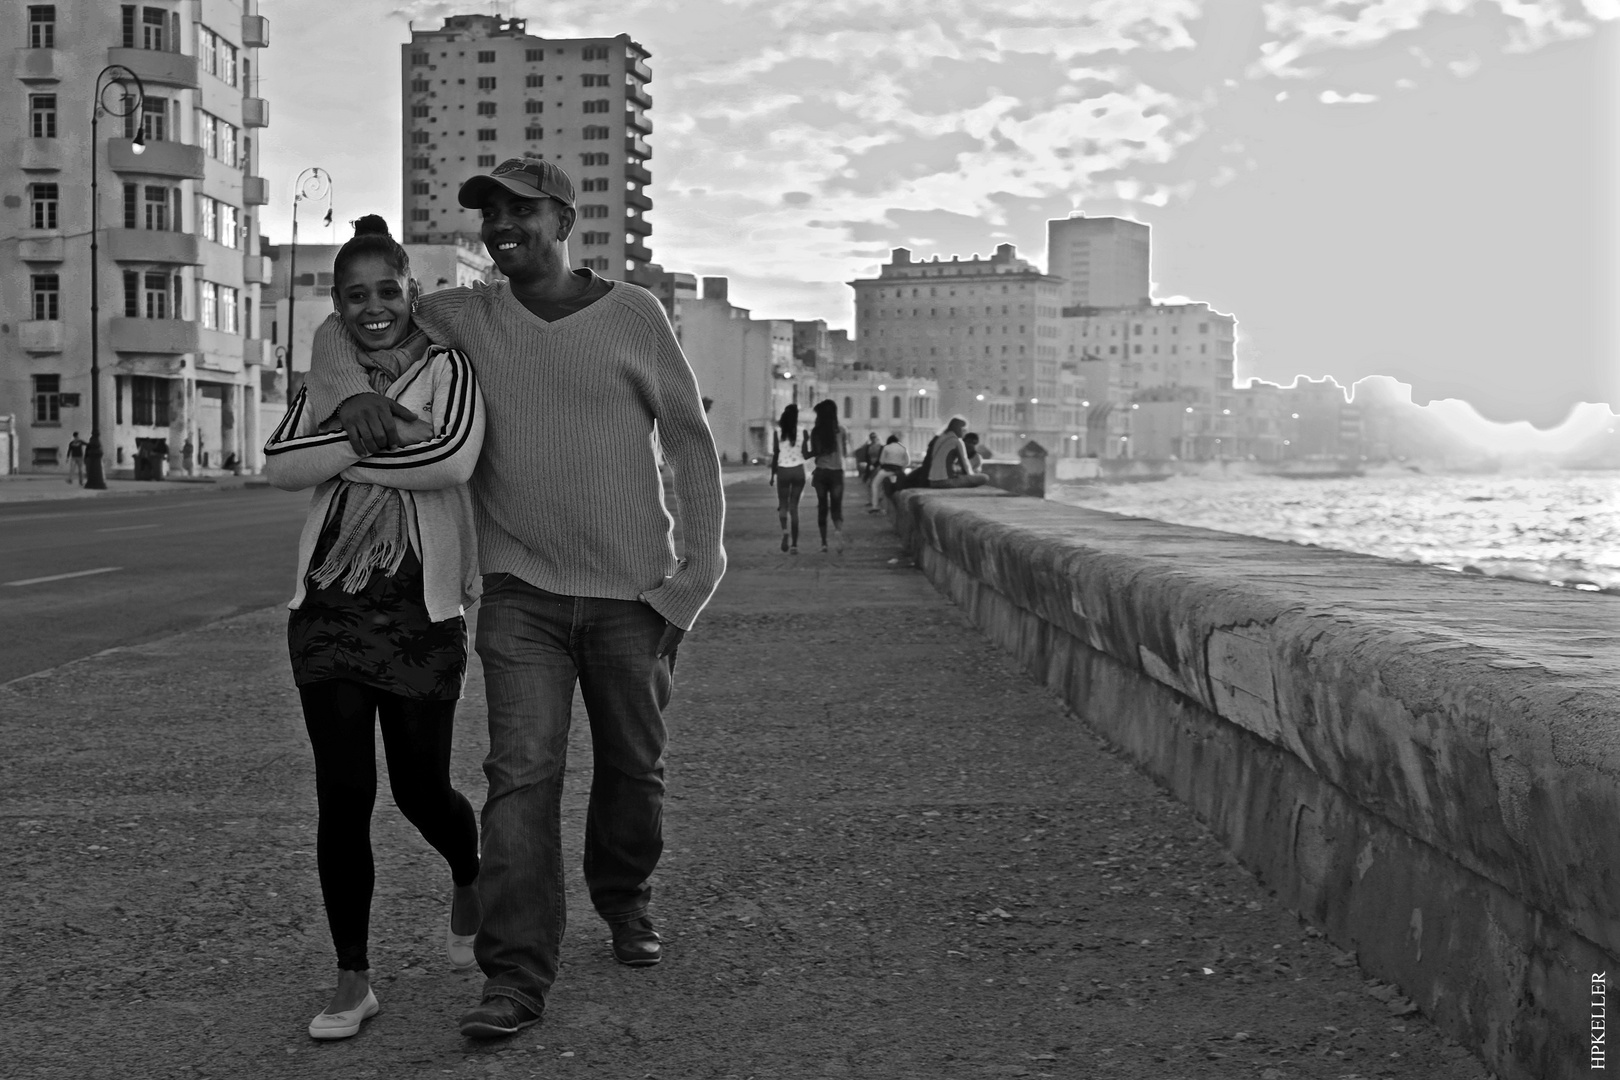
76, 459
586, 388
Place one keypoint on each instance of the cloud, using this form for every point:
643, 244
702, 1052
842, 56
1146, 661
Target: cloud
1333, 97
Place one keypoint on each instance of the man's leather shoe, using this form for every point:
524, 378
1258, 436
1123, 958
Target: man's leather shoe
497, 1016
636, 943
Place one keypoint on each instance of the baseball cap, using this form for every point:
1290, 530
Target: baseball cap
531, 178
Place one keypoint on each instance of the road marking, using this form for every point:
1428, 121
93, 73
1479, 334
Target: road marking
60, 577
127, 528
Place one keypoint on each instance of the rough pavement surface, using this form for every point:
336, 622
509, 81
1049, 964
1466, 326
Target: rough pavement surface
890, 855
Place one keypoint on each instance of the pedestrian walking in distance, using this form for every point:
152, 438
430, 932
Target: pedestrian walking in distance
586, 385
76, 460
387, 565
787, 473
829, 444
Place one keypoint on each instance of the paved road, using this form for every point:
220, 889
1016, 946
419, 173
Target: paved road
145, 567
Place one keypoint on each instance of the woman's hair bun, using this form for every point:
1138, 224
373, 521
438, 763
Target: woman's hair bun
371, 225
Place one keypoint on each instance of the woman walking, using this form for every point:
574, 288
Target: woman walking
387, 565
829, 444
787, 473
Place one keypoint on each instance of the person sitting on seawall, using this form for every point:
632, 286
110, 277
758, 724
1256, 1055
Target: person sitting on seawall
949, 466
975, 455
866, 458
892, 463
387, 565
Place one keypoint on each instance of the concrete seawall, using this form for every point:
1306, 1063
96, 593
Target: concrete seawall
1422, 764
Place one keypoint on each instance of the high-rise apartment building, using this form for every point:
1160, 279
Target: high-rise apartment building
980, 327
176, 239
482, 89
1104, 261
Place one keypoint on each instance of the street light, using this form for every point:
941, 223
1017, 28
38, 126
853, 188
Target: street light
314, 184
113, 75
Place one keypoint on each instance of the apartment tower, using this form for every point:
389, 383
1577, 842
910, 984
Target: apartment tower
482, 89
1102, 260
176, 239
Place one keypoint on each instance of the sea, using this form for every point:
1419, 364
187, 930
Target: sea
1560, 528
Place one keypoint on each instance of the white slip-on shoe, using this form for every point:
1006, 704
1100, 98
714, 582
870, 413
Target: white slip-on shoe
342, 1025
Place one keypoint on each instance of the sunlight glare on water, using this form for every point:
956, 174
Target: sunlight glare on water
1562, 528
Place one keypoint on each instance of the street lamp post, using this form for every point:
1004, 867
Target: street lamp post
113, 75
313, 184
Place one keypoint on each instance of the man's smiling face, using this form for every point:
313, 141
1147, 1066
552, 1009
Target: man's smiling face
521, 234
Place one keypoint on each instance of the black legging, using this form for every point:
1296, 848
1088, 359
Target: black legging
416, 739
829, 485
789, 486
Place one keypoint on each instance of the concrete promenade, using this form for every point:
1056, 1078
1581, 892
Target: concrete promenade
889, 855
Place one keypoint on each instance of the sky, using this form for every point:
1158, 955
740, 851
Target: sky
1420, 189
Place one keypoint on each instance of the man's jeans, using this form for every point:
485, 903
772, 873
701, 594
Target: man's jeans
534, 646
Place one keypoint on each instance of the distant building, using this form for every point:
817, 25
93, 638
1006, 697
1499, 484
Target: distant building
482, 89
978, 327
744, 367
177, 256
886, 404
1103, 261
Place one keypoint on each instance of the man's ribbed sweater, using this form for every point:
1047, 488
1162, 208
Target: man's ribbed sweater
567, 494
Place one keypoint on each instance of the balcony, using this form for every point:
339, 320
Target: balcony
35, 65
219, 351
256, 269
255, 112
639, 226
159, 159
158, 68
638, 199
39, 246
255, 190
637, 173
255, 32
256, 352
637, 121
633, 66
162, 336
636, 147
39, 154
639, 252
41, 335
152, 246
637, 93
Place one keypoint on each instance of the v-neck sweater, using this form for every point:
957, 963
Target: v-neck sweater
567, 495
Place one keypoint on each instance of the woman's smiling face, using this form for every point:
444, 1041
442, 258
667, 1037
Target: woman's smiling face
374, 301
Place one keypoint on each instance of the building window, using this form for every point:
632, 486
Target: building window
154, 120
534, 56
596, 239
149, 401
486, 108
47, 289
590, 132
599, 105
420, 86
593, 80
877, 409
849, 408
532, 81
421, 162
420, 214
42, 26
487, 135
486, 82
1203, 328
207, 218
154, 23
157, 208
594, 52
593, 210
599, 183
42, 115
532, 107
208, 304
533, 133
132, 294
42, 198
47, 399
419, 111
487, 56
229, 309
418, 138
895, 407
593, 159
419, 187
229, 225
419, 59
156, 294
486, 159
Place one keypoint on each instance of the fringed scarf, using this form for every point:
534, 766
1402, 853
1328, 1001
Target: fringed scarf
373, 533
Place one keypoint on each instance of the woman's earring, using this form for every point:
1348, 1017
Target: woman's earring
413, 307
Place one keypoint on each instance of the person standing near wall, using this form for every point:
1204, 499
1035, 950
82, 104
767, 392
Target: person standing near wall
76, 459
891, 466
